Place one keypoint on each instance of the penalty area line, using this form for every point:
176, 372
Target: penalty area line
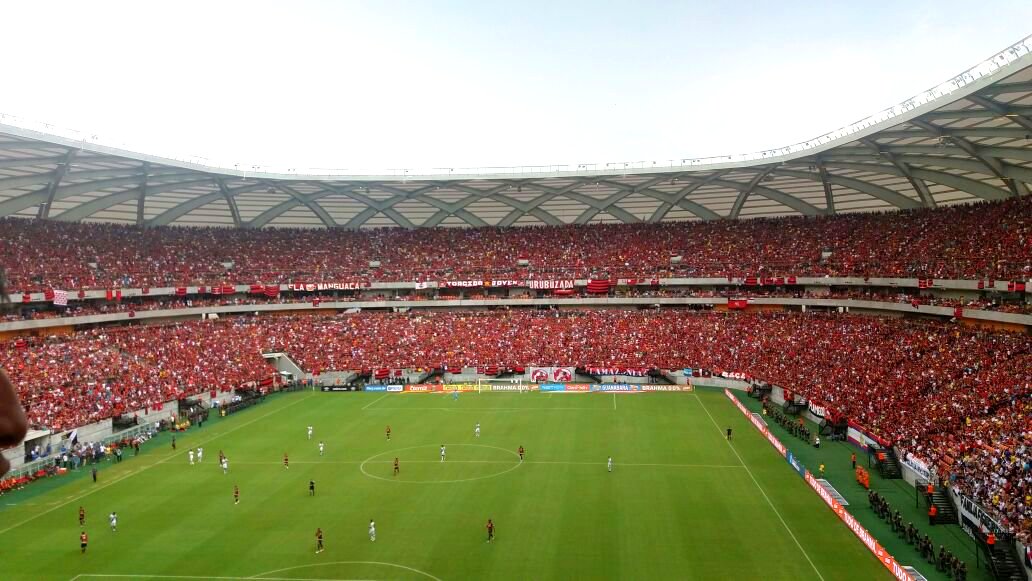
762, 491
138, 576
375, 400
135, 471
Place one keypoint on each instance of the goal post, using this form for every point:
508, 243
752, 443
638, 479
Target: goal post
513, 384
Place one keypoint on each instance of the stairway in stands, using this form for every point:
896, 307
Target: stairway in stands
947, 512
890, 468
1005, 563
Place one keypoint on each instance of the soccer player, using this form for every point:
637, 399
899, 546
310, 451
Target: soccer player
521, 453
173, 442
225, 465
476, 430
609, 464
852, 458
729, 433
94, 472
311, 488
310, 430
322, 447
817, 442
455, 395
200, 454
83, 539
113, 519
318, 540
236, 494
443, 452
397, 469
82, 516
190, 453
821, 469
286, 461
388, 433
490, 530
372, 530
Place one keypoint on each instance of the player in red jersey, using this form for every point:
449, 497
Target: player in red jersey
83, 539
490, 530
397, 469
388, 432
82, 516
521, 453
318, 540
286, 461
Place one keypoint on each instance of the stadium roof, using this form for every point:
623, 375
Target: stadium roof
967, 139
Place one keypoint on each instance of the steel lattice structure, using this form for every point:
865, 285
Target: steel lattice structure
969, 139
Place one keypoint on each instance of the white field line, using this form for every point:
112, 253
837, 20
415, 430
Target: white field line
141, 576
375, 400
136, 471
543, 462
762, 491
614, 401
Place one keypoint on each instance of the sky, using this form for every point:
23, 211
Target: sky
448, 84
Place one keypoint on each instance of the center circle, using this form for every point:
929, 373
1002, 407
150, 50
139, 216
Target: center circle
432, 458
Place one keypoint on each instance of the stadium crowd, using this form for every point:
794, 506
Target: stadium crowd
957, 397
989, 240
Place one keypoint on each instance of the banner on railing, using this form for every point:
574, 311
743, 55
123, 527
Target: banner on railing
322, 286
973, 516
550, 284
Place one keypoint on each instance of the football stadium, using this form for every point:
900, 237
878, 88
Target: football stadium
808, 362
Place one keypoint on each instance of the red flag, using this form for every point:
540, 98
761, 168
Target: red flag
181, 291
48, 294
109, 294
145, 290
82, 293
118, 295
272, 290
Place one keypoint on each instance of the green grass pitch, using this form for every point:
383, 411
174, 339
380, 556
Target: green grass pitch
681, 502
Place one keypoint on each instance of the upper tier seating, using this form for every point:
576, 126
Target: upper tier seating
988, 241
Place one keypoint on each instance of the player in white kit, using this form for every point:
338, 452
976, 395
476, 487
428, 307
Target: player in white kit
322, 447
372, 530
610, 464
113, 519
310, 430
225, 465
443, 452
476, 431
200, 454
190, 453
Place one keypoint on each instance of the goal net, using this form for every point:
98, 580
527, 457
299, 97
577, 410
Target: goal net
506, 384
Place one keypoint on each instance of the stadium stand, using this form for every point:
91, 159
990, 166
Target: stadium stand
958, 397
976, 241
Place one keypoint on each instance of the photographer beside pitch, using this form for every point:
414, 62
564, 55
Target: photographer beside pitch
13, 424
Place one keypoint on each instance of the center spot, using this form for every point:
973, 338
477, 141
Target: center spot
422, 464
